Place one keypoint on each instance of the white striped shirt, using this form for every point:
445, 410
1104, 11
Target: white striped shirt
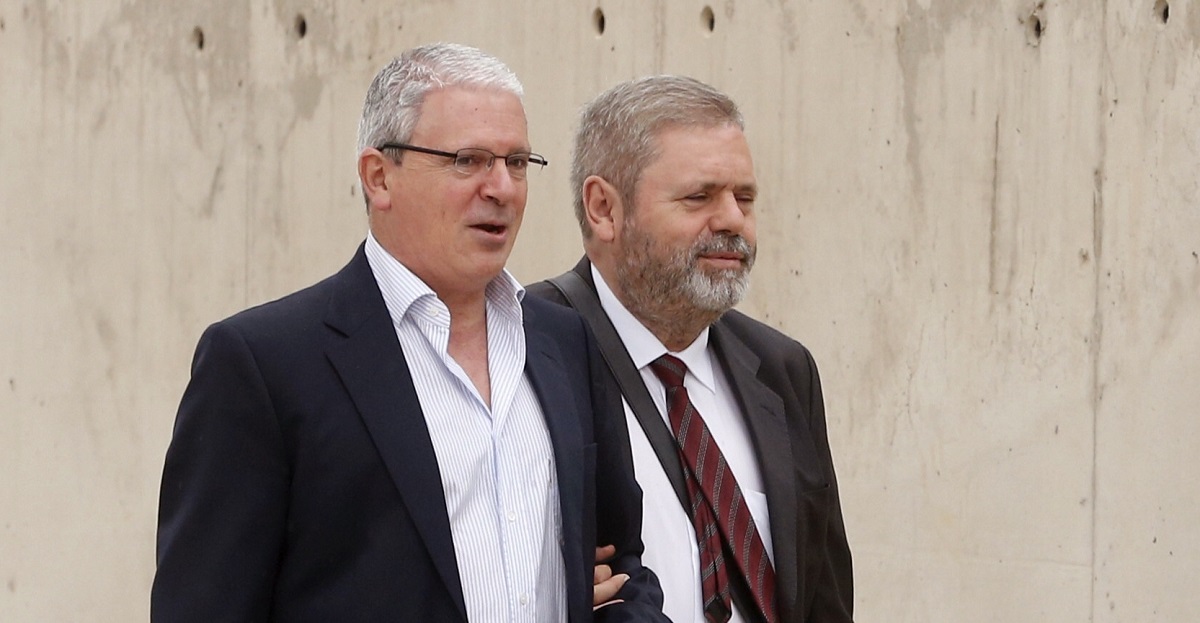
497, 465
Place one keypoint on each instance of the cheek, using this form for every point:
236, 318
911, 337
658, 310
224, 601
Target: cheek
749, 230
520, 200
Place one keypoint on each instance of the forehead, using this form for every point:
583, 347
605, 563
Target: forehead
457, 117
717, 155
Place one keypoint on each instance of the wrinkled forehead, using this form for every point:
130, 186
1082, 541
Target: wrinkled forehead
464, 112
705, 145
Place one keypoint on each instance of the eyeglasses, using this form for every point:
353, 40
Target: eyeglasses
473, 160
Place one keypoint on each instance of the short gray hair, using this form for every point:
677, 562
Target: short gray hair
618, 129
393, 103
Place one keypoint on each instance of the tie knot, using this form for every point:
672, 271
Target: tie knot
669, 370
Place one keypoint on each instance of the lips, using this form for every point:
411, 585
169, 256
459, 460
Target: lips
725, 252
734, 257
724, 262
491, 228
492, 232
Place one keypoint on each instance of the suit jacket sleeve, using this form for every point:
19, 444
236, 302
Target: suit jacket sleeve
222, 507
619, 501
833, 597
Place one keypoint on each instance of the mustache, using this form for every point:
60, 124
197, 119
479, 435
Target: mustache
725, 243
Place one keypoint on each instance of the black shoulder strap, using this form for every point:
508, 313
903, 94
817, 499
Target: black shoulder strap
584, 300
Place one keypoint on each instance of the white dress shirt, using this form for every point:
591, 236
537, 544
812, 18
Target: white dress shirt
496, 465
667, 532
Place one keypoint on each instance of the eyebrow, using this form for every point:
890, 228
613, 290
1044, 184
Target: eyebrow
708, 187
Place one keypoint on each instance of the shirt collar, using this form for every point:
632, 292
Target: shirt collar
401, 288
643, 346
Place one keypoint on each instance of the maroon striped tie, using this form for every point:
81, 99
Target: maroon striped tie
719, 514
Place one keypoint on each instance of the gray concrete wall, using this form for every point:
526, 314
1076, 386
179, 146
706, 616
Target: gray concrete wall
982, 216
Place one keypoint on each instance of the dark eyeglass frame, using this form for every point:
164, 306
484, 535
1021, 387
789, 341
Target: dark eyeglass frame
516, 168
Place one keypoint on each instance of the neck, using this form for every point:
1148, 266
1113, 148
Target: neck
673, 320
465, 311
468, 345
676, 325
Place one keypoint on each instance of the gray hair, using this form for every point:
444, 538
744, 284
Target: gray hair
393, 103
618, 129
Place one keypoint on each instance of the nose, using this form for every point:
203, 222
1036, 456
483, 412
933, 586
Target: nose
728, 215
498, 185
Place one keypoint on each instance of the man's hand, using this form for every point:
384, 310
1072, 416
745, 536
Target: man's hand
605, 583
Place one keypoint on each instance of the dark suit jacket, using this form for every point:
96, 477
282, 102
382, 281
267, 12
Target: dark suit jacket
779, 391
301, 483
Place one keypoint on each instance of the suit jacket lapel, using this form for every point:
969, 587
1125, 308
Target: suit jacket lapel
633, 388
764, 413
372, 366
543, 364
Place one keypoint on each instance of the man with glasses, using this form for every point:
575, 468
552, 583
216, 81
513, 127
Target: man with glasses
410, 439
742, 519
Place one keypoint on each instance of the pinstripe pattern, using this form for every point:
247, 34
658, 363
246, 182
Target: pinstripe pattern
497, 466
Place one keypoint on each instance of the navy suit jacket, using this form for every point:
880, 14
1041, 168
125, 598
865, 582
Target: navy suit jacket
301, 483
778, 389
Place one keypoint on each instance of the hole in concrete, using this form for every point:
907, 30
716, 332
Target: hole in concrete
598, 21
1035, 27
198, 38
1162, 10
708, 21
301, 26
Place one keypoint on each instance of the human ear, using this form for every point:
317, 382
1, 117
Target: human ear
602, 207
373, 174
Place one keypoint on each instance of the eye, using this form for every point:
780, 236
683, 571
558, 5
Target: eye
469, 160
518, 162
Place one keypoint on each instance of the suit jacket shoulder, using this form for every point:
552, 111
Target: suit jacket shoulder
767, 365
785, 365
779, 389
772, 345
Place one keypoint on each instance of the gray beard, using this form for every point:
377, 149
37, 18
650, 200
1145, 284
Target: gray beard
674, 289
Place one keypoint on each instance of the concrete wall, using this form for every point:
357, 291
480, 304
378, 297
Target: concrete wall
983, 216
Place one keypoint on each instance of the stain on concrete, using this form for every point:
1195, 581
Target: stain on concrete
306, 94
206, 77
920, 36
12, 584
208, 208
659, 42
1193, 25
1098, 277
107, 334
994, 209
1177, 309
106, 331
790, 31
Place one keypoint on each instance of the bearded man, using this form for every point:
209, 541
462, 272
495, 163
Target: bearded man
742, 520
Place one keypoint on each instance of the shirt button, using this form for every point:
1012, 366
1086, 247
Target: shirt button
524, 599
512, 516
